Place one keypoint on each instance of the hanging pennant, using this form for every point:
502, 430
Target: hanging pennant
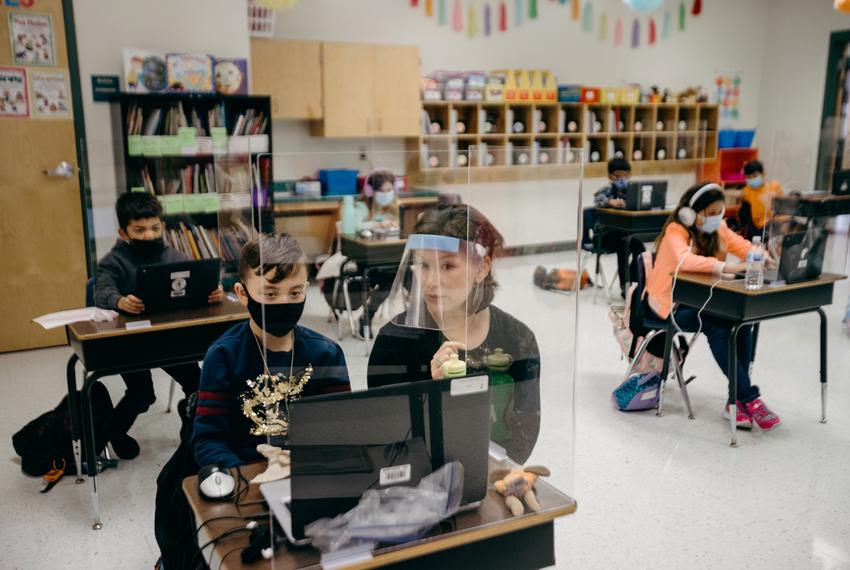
442, 15
587, 17
414, 3
636, 34
457, 17
503, 17
652, 31
532, 9
603, 26
487, 16
429, 8
472, 23
697, 10
682, 13
517, 13
618, 32
562, 2
576, 9
668, 20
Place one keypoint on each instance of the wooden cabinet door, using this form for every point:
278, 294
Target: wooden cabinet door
43, 264
395, 77
289, 72
347, 90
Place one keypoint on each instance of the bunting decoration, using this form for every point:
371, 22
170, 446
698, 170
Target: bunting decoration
576, 9
618, 33
442, 15
503, 17
532, 9
636, 34
668, 20
487, 17
587, 17
652, 32
603, 26
429, 8
682, 14
457, 17
697, 10
518, 13
472, 23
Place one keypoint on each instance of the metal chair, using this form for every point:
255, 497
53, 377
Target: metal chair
591, 245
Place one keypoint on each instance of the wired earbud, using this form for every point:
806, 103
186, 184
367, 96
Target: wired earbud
687, 215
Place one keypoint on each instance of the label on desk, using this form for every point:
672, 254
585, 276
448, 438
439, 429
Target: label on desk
394, 475
472, 385
135, 325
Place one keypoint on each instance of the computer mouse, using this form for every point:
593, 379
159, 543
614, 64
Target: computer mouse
215, 482
366, 234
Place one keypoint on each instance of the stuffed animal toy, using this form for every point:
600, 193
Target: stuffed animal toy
518, 486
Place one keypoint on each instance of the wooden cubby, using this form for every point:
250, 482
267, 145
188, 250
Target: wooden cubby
498, 146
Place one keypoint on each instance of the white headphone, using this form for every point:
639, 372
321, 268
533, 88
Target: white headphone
687, 215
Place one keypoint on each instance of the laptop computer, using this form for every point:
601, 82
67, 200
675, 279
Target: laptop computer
376, 438
800, 258
646, 195
179, 285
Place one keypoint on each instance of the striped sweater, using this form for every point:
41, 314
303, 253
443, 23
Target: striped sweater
221, 432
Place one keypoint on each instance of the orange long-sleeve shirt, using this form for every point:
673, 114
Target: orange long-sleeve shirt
676, 249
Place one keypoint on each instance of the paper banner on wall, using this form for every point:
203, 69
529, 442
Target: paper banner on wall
429, 8
587, 17
457, 17
503, 17
472, 23
14, 101
31, 37
517, 13
668, 21
487, 19
442, 13
618, 32
532, 9
728, 94
49, 95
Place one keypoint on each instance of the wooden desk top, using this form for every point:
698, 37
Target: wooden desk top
737, 285
634, 213
227, 310
491, 519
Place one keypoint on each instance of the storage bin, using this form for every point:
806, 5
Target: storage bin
744, 138
338, 181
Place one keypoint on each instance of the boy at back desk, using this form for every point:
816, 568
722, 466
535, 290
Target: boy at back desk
140, 231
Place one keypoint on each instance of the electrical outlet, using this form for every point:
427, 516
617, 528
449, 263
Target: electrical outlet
363, 153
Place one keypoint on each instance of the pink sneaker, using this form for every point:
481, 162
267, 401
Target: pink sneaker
742, 418
762, 415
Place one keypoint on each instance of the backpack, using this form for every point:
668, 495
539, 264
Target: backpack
640, 391
47, 438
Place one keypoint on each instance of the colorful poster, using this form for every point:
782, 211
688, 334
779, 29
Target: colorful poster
190, 72
31, 36
49, 94
144, 71
231, 76
728, 84
13, 92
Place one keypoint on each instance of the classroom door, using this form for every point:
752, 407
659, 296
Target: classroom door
42, 246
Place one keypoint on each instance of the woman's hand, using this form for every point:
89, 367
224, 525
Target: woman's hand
443, 354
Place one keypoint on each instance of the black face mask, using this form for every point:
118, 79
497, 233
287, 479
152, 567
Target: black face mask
147, 247
280, 318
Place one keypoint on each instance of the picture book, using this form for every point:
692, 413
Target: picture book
231, 76
190, 72
144, 71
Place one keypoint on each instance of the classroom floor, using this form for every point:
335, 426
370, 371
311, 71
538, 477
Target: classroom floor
652, 492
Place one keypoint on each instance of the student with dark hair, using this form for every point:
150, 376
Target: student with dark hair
756, 201
273, 286
696, 239
448, 288
140, 230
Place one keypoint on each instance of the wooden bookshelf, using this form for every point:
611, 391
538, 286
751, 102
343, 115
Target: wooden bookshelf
514, 141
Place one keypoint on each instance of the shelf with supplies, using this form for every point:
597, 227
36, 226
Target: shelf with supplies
655, 138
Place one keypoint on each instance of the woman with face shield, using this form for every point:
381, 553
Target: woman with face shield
444, 291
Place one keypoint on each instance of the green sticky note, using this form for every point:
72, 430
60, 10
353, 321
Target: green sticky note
172, 204
134, 145
152, 146
210, 202
138, 189
219, 139
170, 145
193, 203
187, 136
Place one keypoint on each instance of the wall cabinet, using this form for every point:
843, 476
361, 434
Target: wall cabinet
290, 73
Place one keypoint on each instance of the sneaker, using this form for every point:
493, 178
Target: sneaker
762, 415
125, 446
742, 418
539, 276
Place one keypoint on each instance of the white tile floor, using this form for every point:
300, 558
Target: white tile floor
652, 492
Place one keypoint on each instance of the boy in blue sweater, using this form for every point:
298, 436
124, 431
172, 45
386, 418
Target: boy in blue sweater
273, 286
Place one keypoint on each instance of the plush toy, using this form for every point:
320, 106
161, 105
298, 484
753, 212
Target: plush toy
278, 464
518, 486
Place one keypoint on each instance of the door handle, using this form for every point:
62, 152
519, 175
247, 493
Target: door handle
63, 170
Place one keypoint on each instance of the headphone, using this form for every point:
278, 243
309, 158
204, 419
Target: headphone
687, 215
368, 191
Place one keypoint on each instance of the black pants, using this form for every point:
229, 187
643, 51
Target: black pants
625, 248
139, 395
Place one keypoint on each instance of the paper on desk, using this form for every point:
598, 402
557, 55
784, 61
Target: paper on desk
62, 318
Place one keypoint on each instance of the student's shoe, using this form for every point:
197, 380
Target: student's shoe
125, 446
742, 418
539, 276
762, 415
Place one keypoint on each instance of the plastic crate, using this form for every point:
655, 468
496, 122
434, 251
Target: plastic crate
338, 181
744, 138
727, 139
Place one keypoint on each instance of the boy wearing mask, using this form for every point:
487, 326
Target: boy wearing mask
756, 200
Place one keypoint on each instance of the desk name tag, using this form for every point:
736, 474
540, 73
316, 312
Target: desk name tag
471, 385
178, 274
133, 325
395, 475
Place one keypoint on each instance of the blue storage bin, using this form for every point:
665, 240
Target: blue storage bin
745, 138
338, 181
569, 93
727, 139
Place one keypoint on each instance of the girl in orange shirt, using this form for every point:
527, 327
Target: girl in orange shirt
696, 239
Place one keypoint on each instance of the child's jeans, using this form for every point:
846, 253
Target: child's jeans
139, 395
717, 331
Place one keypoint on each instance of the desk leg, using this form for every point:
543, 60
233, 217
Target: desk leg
89, 446
733, 383
665, 369
367, 329
823, 371
74, 412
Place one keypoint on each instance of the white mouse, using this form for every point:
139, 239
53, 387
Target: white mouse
215, 482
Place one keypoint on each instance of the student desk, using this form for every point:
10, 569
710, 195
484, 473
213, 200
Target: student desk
633, 222
111, 348
732, 301
488, 537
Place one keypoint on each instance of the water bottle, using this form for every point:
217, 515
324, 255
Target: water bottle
349, 216
755, 265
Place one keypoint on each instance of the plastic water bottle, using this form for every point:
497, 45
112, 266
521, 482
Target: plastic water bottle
349, 216
755, 265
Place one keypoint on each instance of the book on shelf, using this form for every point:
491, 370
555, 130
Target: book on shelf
169, 120
190, 179
250, 122
193, 240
